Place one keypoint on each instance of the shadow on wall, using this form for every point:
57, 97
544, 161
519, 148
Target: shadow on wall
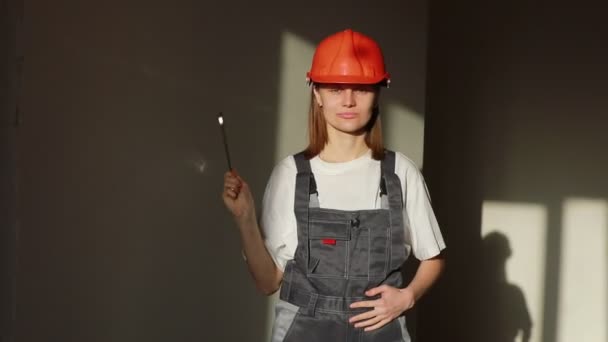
516, 114
504, 313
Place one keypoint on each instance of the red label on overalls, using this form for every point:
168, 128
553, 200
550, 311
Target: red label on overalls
329, 241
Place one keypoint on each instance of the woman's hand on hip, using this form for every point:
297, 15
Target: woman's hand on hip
392, 303
237, 197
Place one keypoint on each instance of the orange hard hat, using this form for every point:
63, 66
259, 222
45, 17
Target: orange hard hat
348, 57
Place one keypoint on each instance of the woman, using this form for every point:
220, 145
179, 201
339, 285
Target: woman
340, 218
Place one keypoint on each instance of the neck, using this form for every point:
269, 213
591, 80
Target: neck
342, 147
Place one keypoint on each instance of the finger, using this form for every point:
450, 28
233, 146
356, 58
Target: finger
229, 175
363, 316
230, 181
232, 184
241, 182
369, 322
231, 193
364, 304
233, 180
376, 290
378, 325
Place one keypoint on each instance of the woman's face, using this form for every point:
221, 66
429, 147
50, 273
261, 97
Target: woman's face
347, 108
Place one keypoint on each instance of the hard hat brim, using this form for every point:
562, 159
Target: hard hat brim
348, 79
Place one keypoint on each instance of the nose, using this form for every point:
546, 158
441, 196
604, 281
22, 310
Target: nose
348, 98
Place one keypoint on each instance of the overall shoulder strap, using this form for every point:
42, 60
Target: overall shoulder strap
306, 186
388, 162
303, 167
302, 163
387, 166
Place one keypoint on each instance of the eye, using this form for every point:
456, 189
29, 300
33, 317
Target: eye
363, 89
335, 90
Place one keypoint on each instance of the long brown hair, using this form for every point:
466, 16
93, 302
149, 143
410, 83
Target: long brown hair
317, 131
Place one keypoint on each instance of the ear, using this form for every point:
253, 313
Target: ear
315, 91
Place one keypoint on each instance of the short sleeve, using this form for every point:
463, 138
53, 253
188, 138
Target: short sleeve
422, 230
278, 221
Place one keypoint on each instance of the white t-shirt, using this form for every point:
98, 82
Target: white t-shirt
352, 185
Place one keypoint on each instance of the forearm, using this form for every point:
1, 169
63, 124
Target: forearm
265, 273
426, 275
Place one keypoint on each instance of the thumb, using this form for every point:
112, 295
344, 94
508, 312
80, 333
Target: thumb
236, 174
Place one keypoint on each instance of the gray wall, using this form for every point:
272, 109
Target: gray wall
10, 21
123, 234
516, 113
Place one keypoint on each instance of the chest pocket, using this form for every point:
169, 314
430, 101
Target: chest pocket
342, 249
328, 248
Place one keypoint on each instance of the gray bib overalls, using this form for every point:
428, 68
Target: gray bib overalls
340, 255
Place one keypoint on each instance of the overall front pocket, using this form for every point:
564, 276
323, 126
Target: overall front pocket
368, 252
328, 248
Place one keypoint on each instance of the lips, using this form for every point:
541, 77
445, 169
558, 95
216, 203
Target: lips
347, 115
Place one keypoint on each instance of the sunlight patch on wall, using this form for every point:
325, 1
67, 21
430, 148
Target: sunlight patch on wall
296, 54
403, 131
294, 97
524, 228
582, 312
